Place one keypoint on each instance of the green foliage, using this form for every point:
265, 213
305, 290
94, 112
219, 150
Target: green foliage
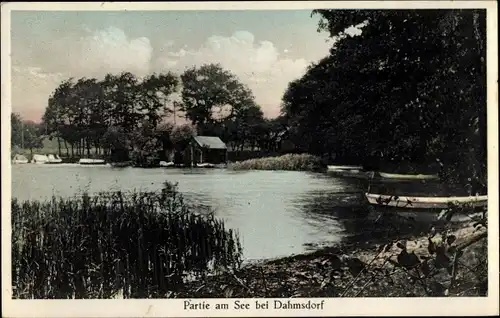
294, 162
411, 87
140, 244
15, 130
181, 136
25, 134
211, 94
81, 112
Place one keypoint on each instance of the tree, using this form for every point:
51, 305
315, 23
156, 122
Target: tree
32, 135
15, 130
243, 128
145, 144
25, 133
211, 94
181, 136
118, 142
154, 92
400, 91
164, 134
80, 112
60, 114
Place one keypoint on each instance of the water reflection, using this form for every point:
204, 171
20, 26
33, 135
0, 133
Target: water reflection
276, 213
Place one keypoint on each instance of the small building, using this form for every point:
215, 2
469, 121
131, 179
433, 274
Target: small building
208, 149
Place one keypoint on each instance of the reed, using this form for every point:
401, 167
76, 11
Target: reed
291, 162
141, 245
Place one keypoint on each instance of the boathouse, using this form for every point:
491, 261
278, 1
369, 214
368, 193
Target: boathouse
208, 149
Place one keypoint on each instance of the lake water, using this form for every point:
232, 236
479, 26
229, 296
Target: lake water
276, 213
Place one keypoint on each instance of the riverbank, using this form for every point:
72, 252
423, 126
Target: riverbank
288, 162
356, 270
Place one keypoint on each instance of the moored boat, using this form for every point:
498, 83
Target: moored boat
411, 202
40, 159
397, 176
205, 165
165, 164
335, 168
356, 174
53, 159
89, 162
20, 159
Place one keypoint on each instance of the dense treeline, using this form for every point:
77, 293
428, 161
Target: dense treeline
122, 113
25, 133
410, 88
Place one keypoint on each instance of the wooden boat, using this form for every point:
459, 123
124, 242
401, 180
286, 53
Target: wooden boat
165, 164
205, 165
20, 159
53, 159
89, 162
40, 159
352, 174
335, 168
395, 176
410, 202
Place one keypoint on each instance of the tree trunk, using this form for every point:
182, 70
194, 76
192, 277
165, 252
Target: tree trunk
88, 147
66, 146
59, 145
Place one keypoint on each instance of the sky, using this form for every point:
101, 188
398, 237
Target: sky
264, 49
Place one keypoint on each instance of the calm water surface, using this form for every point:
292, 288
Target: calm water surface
276, 213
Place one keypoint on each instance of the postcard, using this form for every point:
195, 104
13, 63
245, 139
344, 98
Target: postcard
237, 159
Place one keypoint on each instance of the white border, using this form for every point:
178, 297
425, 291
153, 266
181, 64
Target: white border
174, 307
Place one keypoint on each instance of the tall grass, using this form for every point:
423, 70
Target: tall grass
295, 162
142, 245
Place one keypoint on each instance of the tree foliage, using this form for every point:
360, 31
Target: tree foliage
410, 87
211, 94
15, 130
25, 133
87, 113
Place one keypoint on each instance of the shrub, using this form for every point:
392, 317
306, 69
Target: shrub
296, 162
142, 244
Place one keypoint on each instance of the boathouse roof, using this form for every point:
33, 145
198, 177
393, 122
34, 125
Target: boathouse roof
210, 142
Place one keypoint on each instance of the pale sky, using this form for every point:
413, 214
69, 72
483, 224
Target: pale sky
265, 49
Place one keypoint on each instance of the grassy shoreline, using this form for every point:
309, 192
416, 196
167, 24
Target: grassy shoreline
142, 243
288, 162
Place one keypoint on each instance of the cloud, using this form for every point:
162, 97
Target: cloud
92, 55
110, 50
31, 87
260, 65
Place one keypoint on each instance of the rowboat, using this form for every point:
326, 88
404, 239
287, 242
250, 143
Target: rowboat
335, 168
385, 175
40, 159
205, 165
357, 174
20, 159
410, 202
167, 164
53, 159
88, 162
